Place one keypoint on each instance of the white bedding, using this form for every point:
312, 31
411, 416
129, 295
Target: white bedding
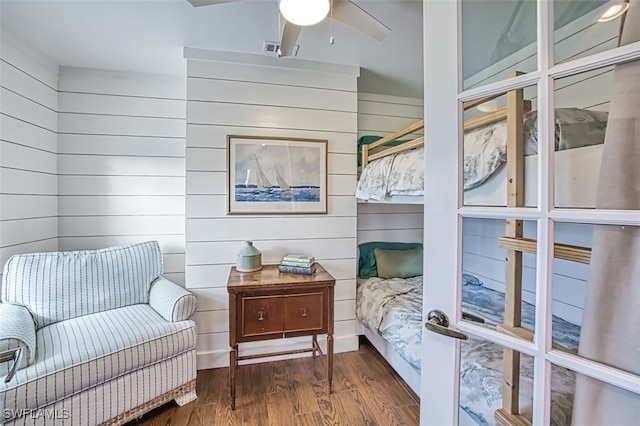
484, 153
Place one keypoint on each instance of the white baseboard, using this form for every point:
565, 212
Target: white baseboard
220, 358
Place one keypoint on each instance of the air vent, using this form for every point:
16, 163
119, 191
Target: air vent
270, 48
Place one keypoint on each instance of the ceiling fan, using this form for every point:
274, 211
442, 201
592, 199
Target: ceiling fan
344, 11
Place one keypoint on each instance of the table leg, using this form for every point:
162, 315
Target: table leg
233, 366
330, 360
314, 344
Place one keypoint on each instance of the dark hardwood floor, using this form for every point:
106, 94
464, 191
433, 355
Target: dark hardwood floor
366, 391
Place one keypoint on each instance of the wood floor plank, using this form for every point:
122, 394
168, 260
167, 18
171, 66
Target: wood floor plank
169, 414
375, 376
410, 415
331, 409
309, 419
377, 386
280, 410
300, 389
251, 396
341, 379
277, 377
366, 391
203, 389
356, 408
219, 395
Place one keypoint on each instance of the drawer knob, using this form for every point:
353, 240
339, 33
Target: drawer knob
304, 312
260, 316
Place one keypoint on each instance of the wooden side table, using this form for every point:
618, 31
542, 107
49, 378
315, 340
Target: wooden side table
268, 304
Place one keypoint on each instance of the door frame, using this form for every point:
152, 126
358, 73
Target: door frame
443, 96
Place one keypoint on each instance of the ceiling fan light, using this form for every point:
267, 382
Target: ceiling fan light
614, 10
304, 12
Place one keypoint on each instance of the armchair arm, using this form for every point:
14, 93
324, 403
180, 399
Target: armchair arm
17, 330
171, 301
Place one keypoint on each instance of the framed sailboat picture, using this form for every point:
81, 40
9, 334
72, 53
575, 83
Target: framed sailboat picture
276, 175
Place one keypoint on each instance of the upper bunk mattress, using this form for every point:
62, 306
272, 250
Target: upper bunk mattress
485, 151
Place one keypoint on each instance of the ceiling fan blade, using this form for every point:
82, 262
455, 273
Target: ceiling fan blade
289, 37
198, 3
354, 16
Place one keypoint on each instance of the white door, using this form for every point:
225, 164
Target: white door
566, 231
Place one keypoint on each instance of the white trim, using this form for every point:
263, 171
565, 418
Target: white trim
544, 257
600, 216
605, 373
501, 87
591, 216
268, 61
440, 355
620, 54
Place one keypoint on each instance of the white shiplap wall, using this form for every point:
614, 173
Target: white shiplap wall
121, 162
380, 115
255, 95
28, 147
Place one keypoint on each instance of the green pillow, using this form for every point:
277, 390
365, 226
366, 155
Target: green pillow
398, 263
367, 261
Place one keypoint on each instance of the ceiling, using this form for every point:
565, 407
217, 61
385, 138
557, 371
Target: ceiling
149, 35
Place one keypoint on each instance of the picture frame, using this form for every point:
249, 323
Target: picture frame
276, 175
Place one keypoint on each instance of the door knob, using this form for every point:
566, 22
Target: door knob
438, 322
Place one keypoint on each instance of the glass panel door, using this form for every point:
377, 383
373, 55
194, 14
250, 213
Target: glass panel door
540, 296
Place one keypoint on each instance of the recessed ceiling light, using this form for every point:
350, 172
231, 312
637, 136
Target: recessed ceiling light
614, 10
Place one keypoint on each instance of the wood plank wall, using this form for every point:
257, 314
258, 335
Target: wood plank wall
121, 162
271, 99
28, 148
380, 115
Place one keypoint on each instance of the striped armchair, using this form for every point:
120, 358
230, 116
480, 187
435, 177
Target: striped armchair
104, 337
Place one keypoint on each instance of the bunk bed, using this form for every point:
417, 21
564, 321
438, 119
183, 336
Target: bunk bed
393, 172
390, 309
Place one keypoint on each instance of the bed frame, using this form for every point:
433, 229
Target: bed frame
513, 241
576, 170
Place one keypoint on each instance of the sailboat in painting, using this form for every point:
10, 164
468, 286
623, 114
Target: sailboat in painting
263, 181
281, 182
264, 190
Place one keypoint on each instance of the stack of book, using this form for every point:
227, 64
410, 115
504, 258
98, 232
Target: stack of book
298, 264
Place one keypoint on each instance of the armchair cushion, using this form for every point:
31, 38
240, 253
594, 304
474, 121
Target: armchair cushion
83, 352
17, 329
171, 301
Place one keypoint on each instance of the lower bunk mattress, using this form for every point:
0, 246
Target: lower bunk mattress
392, 308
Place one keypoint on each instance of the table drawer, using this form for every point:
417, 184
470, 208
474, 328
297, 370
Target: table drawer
305, 312
261, 315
